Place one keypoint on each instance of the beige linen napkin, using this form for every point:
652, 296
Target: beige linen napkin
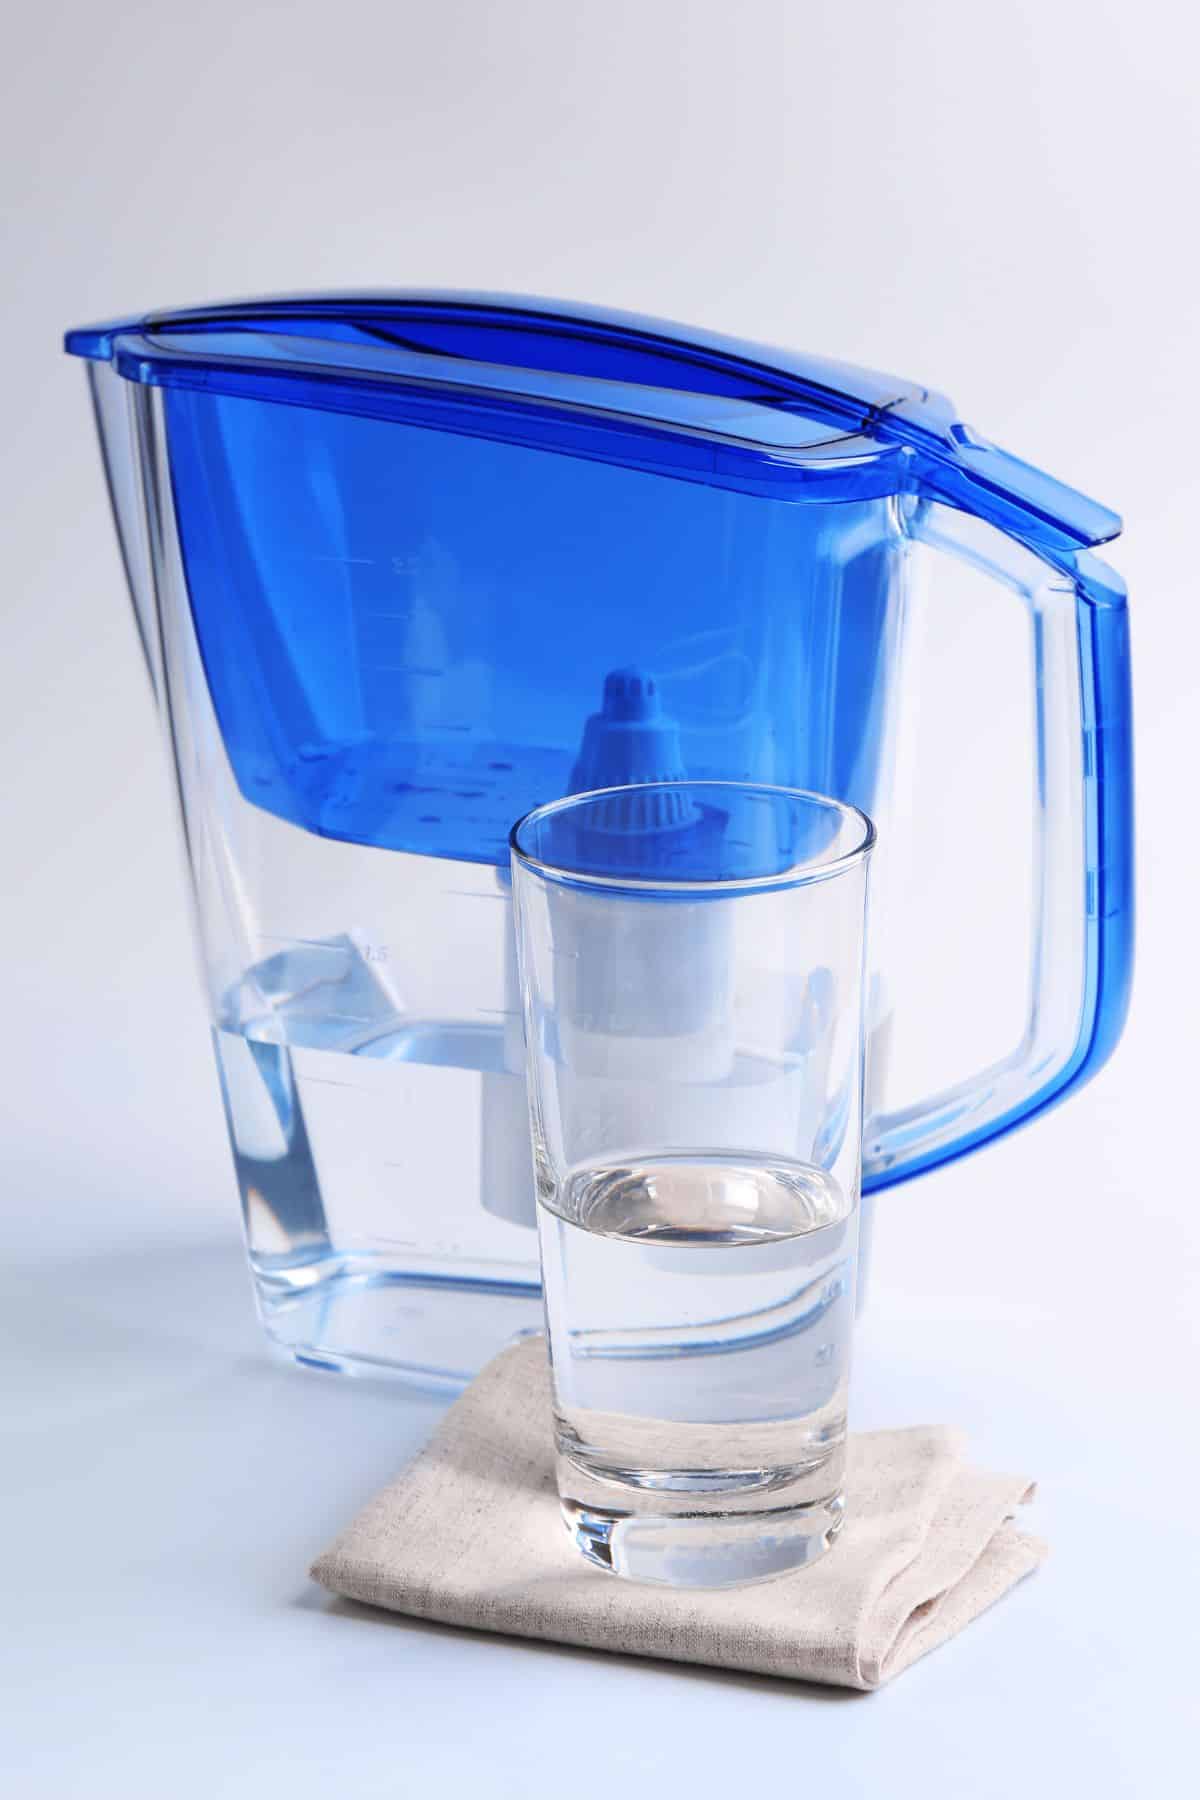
470, 1534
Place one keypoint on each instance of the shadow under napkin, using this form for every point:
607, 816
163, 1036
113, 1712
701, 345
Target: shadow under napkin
470, 1534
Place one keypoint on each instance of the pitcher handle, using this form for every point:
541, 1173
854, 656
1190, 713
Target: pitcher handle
1082, 944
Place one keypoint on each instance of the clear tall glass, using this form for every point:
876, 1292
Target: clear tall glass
691, 960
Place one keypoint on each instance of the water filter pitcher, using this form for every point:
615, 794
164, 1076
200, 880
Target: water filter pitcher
405, 566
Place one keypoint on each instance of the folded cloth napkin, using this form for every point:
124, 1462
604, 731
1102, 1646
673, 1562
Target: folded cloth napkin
470, 1534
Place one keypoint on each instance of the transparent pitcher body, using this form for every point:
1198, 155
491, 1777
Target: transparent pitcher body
382, 623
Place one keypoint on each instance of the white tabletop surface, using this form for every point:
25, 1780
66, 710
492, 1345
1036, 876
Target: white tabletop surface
168, 1484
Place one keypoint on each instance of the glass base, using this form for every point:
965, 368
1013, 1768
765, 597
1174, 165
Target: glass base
702, 1539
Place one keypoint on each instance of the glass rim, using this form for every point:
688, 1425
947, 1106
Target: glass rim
799, 874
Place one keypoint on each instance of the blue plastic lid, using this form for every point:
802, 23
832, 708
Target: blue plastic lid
607, 385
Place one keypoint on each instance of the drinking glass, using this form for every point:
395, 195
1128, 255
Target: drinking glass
691, 959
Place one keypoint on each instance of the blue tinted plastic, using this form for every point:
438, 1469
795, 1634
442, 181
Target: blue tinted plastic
405, 631
362, 352
1108, 713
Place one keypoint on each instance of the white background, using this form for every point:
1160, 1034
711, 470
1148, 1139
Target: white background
997, 199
